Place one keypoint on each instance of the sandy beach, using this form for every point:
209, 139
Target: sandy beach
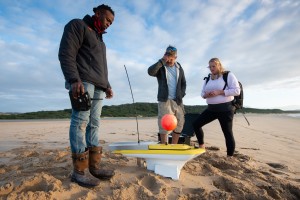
35, 162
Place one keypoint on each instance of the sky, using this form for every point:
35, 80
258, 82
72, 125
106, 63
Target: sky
257, 40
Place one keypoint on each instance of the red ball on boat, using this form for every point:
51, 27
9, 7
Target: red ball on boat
169, 122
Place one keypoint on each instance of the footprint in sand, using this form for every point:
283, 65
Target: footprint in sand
242, 157
39, 184
255, 149
213, 148
277, 165
152, 184
194, 193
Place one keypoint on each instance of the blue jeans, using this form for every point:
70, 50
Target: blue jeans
84, 127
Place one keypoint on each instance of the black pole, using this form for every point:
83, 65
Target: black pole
137, 124
246, 118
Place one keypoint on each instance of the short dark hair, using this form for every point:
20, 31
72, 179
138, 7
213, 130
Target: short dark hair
171, 51
104, 7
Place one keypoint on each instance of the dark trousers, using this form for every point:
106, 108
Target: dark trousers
225, 120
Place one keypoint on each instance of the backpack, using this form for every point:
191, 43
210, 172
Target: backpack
237, 102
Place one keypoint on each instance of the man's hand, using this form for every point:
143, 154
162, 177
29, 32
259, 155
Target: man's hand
109, 93
77, 89
166, 58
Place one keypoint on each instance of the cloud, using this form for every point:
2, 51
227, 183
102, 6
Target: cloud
257, 40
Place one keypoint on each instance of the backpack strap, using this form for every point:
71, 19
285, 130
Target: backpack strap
225, 76
207, 78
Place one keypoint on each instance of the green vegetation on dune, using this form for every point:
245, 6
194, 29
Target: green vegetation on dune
125, 110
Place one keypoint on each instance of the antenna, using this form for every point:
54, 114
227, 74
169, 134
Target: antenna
137, 124
245, 118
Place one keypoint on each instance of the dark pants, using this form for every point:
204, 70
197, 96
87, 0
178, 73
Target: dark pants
225, 120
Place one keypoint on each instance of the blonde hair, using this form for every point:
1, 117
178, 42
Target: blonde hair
221, 69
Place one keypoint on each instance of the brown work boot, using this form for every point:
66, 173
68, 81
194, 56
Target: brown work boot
94, 161
81, 174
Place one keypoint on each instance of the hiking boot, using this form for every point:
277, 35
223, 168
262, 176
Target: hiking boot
94, 161
81, 174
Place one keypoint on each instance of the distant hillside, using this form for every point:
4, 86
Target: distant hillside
124, 110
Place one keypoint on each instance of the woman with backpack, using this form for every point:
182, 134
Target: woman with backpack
219, 95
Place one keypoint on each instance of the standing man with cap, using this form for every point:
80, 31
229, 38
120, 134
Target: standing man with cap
171, 90
82, 55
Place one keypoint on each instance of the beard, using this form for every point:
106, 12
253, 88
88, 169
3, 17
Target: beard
170, 64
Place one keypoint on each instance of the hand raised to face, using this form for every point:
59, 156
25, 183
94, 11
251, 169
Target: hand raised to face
169, 60
166, 58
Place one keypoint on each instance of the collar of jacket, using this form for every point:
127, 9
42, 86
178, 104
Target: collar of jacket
89, 21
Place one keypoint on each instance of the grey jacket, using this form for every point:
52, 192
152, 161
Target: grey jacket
82, 54
158, 70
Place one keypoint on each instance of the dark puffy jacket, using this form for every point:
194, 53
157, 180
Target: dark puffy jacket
158, 70
82, 54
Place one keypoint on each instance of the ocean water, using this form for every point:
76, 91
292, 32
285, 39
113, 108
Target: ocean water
296, 115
